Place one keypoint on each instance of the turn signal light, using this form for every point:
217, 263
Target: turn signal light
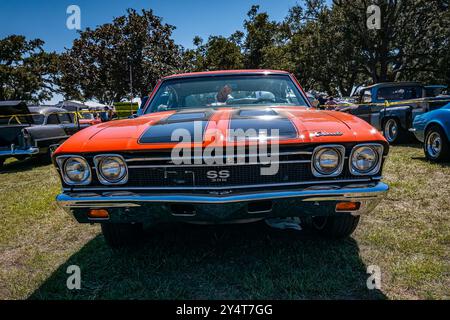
348, 206
98, 214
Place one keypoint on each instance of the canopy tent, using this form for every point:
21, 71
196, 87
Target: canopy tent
74, 105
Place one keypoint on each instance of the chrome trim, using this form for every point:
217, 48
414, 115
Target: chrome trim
215, 165
379, 148
109, 205
357, 192
340, 168
321, 182
52, 138
225, 156
61, 160
13, 151
101, 178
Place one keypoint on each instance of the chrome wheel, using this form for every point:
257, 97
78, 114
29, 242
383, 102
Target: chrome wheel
391, 130
434, 144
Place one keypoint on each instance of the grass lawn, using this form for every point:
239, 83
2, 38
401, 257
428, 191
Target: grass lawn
407, 236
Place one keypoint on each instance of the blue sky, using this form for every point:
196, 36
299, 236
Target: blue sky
46, 19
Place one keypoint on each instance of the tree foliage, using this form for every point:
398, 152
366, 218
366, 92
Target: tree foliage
26, 71
99, 62
218, 53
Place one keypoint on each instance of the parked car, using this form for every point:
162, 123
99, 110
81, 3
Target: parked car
325, 167
88, 118
433, 130
31, 131
394, 120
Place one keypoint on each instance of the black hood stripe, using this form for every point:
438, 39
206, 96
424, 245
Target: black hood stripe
162, 131
263, 119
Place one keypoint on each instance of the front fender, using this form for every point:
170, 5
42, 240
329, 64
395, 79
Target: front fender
441, 123
402, 113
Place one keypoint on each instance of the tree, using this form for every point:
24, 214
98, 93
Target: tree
98, 64
413, 37
219, 53
261, 33
26, 71
322, 46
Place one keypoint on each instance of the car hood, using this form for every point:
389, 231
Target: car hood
164, 130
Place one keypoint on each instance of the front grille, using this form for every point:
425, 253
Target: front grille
236, 175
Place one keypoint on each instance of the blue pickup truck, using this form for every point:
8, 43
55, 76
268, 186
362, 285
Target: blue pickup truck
382, 106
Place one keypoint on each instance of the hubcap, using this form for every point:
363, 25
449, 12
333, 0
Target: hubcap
434, 144
391, 130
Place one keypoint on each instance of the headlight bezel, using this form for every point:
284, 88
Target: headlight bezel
379, 151
62, 162
98, 159
340, 149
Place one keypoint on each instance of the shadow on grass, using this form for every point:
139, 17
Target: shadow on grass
216, 262
445, 164
24, 165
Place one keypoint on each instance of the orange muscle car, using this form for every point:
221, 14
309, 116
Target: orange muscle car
220, 147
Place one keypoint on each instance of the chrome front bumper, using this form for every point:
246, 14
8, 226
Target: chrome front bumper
146, 207
12, 152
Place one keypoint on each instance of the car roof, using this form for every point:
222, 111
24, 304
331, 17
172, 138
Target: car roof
393, 84
226, 72
45, 109
437, 86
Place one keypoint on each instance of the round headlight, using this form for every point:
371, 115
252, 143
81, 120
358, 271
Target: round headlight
364, 159
77, 171
327, 161
112, 169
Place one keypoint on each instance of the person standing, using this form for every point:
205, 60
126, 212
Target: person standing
331, 103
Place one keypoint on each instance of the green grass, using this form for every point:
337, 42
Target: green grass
407, 236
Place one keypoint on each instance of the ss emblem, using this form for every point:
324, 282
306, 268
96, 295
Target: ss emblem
221, 175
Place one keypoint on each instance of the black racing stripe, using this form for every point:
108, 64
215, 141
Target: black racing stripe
263, 119
195, 122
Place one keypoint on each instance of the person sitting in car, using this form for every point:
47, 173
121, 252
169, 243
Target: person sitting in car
224, 94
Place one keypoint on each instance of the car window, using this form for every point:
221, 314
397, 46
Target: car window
38, 119
366, 96
233, 91
52, 119
399, 93
64, 118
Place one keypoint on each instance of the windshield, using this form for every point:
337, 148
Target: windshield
226, 91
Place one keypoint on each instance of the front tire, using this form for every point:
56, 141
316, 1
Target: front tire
436, 145
341, 226
122, 234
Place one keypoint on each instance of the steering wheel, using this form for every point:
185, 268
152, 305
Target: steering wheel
259, 100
